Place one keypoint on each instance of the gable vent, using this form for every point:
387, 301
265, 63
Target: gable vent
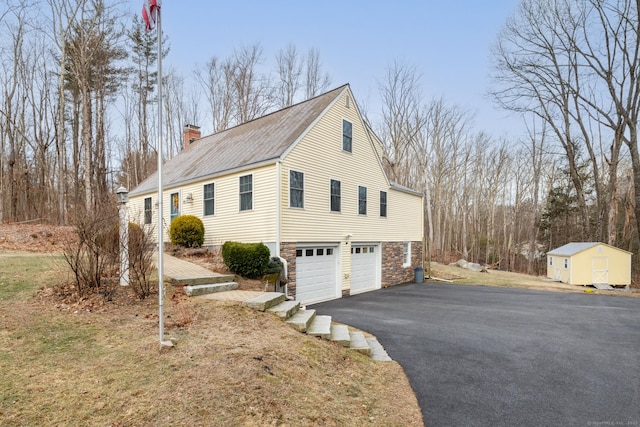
347, 102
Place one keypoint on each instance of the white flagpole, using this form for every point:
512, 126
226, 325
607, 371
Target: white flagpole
160, 195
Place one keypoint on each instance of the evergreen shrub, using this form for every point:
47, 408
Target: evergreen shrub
187, 231
246, 259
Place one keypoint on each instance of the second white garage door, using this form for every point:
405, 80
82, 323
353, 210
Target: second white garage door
365, 268
316, 274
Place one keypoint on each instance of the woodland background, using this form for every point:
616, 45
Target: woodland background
78, 111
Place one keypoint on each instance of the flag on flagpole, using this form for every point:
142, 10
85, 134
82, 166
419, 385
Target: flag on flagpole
149, 13
151, 17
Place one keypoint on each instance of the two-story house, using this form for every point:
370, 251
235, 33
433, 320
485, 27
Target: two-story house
308, 182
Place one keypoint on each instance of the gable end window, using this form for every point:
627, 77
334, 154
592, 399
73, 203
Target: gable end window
148, 213
335, 195
296, 189
246, 192
383, 204
347, 135
566, 263
209, 199
362, 200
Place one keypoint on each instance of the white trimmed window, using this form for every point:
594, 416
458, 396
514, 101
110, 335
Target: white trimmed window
148, 213
362, 200
208, 196
336, 195
347, 136
406, 254
246, 192
296, 189
383, 204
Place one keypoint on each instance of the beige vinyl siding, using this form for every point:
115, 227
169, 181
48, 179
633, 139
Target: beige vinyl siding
581, 266
320, 156
228, 222
136, 212
617, 265
345, 265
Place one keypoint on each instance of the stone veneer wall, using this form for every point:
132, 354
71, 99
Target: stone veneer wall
393, 273
288, 252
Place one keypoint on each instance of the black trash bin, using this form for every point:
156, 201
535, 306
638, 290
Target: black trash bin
419, 274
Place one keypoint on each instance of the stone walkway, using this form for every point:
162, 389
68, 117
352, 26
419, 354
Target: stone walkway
178, 269
236, 295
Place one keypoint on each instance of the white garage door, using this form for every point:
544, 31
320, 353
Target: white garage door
365, 268
316, 274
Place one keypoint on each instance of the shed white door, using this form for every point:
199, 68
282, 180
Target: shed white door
316, 274
557, 275
600, 270
365, 268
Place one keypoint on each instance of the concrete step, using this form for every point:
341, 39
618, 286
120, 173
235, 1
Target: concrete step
203, 280
359, 343
265, 301
302, 319
340, 335
377, 351
320, 327
285, 309
210, 288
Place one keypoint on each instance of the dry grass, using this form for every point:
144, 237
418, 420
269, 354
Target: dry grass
98, 362
512, 280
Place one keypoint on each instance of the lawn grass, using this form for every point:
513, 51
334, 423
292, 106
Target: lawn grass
97, 362
21, 274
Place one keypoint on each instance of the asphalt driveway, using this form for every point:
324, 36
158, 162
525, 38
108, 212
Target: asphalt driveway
482, 356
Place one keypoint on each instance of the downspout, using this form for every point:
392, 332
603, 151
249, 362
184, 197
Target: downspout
278, 225
278, 208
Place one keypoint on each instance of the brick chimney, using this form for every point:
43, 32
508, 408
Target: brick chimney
191, 133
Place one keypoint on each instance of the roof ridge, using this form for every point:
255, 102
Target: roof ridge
278, 111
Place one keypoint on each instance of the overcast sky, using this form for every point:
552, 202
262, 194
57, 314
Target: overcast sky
449, 42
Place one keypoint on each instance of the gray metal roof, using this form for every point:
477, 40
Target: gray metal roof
572, 248
257, 141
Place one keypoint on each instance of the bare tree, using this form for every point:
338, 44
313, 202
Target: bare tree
92, 55
63, 13
537, 73
574, 64
536, 155
289, 69
316, 80
179, 108
216, 80
252, 89
402, 118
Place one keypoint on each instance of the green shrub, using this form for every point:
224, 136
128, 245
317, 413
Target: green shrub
187, 231
246, 259
275, 265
